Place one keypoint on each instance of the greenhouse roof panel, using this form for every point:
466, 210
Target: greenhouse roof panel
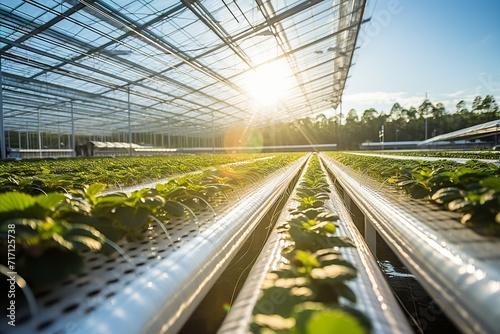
236, 61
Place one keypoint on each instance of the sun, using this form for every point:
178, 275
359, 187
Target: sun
269, 83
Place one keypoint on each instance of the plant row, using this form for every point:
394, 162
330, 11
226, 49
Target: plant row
35, 176
471, 189
308, 292
52, 230
448, 154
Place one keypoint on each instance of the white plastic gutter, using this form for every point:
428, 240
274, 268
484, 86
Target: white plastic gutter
162, 298
459, 269
375, 298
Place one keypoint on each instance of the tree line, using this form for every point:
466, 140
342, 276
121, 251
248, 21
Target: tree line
400, 124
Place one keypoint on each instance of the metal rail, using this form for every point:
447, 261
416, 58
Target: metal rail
457, 267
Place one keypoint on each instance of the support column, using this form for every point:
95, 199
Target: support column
129, 122
73, 139
213, 133
168, 131
2, 130
39, 136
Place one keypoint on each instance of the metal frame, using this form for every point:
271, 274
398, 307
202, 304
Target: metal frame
182, 65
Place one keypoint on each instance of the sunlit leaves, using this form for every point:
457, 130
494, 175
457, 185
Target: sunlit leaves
471, 189
53, 228
305, 295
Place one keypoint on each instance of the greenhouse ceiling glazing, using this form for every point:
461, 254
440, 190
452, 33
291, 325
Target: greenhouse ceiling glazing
180, 67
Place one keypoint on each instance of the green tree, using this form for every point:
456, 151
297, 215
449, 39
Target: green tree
462, 108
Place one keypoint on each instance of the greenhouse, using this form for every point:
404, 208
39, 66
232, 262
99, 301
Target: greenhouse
126, 71
168, 167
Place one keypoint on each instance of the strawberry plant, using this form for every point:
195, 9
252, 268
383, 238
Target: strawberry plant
36, 176
470, 189
312, 285
47, 245
52, 229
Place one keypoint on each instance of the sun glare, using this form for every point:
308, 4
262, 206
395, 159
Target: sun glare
269, 83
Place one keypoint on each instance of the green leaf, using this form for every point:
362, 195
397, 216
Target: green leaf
334, 274
174, 208
153, 202
94, 189
51, 268
418, 191
307, 260
311, 213
330, 228
333, 321
275, 323
15, 201
448, 194
19, 205
85, 236
323, 227
332, 258
80, 242
132, 218
459, 204
491, 182
302, 313
111, 200
327, 216
279, 300
102, 224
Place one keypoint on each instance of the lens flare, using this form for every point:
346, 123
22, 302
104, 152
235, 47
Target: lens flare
226, 307
237, 138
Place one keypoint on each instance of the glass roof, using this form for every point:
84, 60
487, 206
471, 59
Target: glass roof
180, 67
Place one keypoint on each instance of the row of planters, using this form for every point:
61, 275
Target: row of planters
36, 176
471, 189
310, 292
53, 229
486, 155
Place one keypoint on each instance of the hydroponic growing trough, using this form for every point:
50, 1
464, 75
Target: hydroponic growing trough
374, 298
153, 285
458, 267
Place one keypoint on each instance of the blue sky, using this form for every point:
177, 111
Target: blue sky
447, 49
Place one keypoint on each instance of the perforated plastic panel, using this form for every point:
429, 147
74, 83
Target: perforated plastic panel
117, 280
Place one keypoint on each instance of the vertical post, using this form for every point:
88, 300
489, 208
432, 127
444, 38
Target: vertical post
2, 130
73, 139
339, 134
39, 136
168, 132
19, 139
58, 137
213, 133
129, 122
